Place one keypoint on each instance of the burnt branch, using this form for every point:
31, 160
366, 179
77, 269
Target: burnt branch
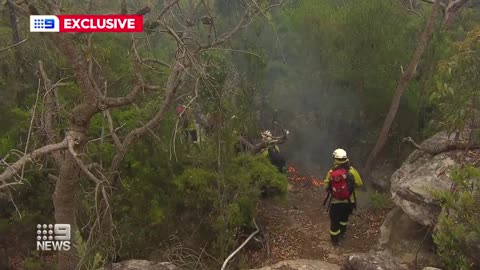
257, 148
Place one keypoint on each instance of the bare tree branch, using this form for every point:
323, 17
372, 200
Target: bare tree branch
226, 36
452, 10
244, 21
156, 61
49, 104
167, 5
410, 8
80, 164
14, 168
116, 140
241, 246
173, 82
257, 148
34, 110
112, 102
13, 45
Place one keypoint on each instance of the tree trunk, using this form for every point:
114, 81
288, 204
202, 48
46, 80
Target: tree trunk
64, 197
402, 86
13, 22
64, 201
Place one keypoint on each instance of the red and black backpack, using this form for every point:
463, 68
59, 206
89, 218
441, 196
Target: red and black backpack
341, 183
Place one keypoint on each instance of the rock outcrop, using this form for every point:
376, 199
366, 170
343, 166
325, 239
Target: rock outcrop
301, 264
427, 169
412, 183
143, 265
380, 260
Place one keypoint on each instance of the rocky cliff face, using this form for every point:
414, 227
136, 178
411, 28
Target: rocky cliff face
427, 169
412, 185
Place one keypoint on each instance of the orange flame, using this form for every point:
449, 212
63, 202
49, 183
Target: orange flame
297, 178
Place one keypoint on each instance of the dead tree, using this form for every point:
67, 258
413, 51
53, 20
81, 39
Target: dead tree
68, 150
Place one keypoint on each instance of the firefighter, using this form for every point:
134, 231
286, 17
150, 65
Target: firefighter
273, 152
340, 184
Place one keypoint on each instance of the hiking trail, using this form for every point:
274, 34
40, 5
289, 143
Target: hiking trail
299, 227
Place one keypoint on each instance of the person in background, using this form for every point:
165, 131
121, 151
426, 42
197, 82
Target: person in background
273, 153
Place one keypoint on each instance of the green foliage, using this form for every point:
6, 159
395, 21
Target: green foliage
88, 260
35, 263
226, 200
457, 84
459, 223
380, 200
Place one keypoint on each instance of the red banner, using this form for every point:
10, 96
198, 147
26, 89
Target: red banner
101, 23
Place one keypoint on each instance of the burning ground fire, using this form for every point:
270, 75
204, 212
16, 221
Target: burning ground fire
295, 177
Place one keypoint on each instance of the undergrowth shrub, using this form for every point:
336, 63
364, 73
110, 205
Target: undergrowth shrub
457, 234
225, 201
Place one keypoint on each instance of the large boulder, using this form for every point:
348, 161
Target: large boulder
412, 183
379, 260
301, 264
143, 265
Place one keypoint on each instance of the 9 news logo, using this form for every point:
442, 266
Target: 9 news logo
44, 23
89, 23
53, 237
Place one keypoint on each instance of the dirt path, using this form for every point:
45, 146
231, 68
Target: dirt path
299, 228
